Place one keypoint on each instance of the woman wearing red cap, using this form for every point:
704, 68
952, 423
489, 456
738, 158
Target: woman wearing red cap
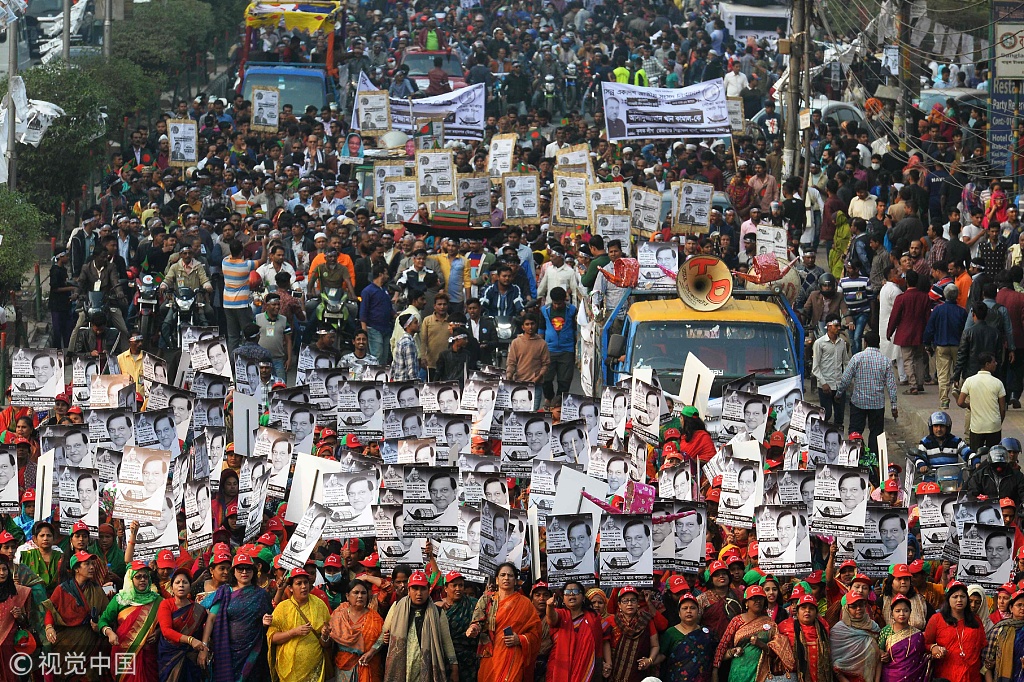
508, 629
129, 623
631, 639
686, 651
854, 639
576, 635
354, 629
236, 628
955, 638
752, 643
71, 611
808, 636
180, 649
299, 634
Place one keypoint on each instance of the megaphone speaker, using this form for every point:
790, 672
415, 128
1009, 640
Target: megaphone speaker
704, 283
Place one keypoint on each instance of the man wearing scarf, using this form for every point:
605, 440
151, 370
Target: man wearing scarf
419, 642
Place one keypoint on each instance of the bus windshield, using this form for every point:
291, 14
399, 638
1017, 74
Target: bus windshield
730, 349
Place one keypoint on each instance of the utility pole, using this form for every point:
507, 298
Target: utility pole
808, 51
66, 33
108, 10
906, 72
789, 154
12, 72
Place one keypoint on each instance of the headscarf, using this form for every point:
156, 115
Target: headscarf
984, 613
1001, 212
130, 596
8, 588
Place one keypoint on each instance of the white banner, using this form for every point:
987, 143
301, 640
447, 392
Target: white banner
462, 110
634, 112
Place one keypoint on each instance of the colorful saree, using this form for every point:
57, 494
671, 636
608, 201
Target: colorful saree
178, 661
300, 659
132, 615
9, 627
576, 647
909, 654
72, 606
238, 642
688, 657
46, 569
718, 611
499, 663
810, 649
353, 636
751, 665
1005, 649
630, 639
460, 617
855, 649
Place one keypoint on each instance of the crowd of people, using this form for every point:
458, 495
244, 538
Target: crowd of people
923, 258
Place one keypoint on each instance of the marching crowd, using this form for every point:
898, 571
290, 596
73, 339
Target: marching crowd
925, 258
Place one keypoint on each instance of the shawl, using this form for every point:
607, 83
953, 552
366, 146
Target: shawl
1001, 658
20, 598
434, 642
823, 672
347, 631
855, 646
918, 610
129, 596
627, 640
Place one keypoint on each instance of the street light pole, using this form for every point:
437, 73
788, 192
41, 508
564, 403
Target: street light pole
12, 72
66, 33
108, 9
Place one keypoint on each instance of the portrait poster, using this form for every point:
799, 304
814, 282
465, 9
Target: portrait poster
481, 478
743, 416
691, 207
349, 495
266, 109
393, 543
37, 376
782, 546
840, 501
494, 536
142, 484
772, 239
627, 556
525, 436
209, 386
797, 432
112, 429
79, 497
543, 486
384, 170
440, 396
198, 511
211, 355
435, 175
499, 156
824, 443
158, 534
737, 122
613, 224
431, 501
400, 201
373, 112
644, 210
253, 481
570, 444
451, 433
569, 201
403, 423
937, 513
742, 485
417, 451
178, 400
663, 546
884, 542
606, 195
278, 448
463, 553
521, 194
359, 409
679, 482
614, 412
570, 549
689, 531
659, 264
401, 394
473, 194
610, 466
183, 139
646, 405
83, 369
986, 555
306, 536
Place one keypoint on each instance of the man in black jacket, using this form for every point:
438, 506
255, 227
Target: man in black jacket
483, 334
980, 338
83, 241
997, 478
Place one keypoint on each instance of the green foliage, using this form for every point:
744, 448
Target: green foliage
164, 37
21, 224
128, 89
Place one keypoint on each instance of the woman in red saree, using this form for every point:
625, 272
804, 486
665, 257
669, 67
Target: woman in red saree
576, 633
506, 657
16, 610
807, 633
631, 640
69, 625
955, 638
180, 650
130, 624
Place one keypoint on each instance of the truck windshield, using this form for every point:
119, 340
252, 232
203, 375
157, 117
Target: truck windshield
297, 90
730, 349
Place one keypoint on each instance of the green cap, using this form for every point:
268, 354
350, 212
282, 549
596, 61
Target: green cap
690, 411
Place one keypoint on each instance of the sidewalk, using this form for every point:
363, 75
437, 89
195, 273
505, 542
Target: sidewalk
915, 410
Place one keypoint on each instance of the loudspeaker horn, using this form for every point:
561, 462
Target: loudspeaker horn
704, 283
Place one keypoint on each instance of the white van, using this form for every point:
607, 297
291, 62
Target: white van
760, 22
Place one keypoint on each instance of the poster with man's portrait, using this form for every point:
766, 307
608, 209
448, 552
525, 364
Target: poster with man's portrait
521, 194
742, 485
435, 175
359, 406
384, 170
884, 542
782, 540
37, 376
604, 195
395, 546
688, 531
570, 549
627, 556
306, 536
659, 264
141, 484
473, 194
691, 206
986, 555
266, 108
840, 501
431, 501
183, 140
211, 355
373, 112
569, 200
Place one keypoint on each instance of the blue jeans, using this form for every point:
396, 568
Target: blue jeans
279, 370
379, 346
859, 322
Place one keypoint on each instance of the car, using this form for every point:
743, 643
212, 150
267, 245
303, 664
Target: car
832, 111
420, 62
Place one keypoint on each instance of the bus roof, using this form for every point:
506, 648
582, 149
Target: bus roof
310, 15
736, 310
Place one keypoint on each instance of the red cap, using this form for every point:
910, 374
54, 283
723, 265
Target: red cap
278, 384
6, 537
954, 584
752, 548
333, 561
451, 576
418, 579
733, 559
754, 591
268, 539
717, 566
900, 571
892, 486
916, 566
328, 433
628, 589
233, 509
1020, 553
275, 524
79, 527
222, 558
807, 599
670, 451
21, 440
28, 496
855, 435
138, 565
82, 555
297, 573
539, 585
687, 596
716, 482
677, 584
1007, 502
222, 548
814, 578
928, 488
75, 410
861, 578
777, 440
709, 550
672, 434
371, 560
242, 559
63, 398
1016, 595
852, 598
714, 495
352, 441
849, 563
1008, 588
165, 559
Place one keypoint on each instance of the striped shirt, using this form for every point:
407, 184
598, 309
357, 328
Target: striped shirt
236, 282
855, 292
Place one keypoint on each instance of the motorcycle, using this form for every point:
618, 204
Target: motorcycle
505, 330
571, 90
501, 94
146, 304
336, 310
547, 99
184, 307
592, 100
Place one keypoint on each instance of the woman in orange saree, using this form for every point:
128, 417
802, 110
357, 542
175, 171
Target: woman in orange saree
354, 628
16, 612
130, 624
508, 631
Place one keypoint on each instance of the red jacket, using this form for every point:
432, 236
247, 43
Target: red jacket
1013, 301
700, 446
909, 317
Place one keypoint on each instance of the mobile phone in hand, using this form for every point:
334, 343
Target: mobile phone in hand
508, 631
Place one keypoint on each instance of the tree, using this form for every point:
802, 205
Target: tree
164, 37
21, 224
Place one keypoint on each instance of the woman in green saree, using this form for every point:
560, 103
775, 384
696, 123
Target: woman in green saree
130, 623
753, 644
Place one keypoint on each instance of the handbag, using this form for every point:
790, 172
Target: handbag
784, 677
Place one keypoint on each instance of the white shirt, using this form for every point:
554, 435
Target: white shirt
970, 231
735, 84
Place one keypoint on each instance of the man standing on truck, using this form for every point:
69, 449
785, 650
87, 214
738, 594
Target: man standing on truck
432, 38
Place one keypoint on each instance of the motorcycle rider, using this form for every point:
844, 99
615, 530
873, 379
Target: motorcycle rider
185, 272
100, 275
940, 447
327, 275
997, 478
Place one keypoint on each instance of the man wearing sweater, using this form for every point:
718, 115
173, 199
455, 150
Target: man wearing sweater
528, 358
560, 335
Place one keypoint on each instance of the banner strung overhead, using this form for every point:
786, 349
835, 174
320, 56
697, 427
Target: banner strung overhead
633, 112
462, 110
